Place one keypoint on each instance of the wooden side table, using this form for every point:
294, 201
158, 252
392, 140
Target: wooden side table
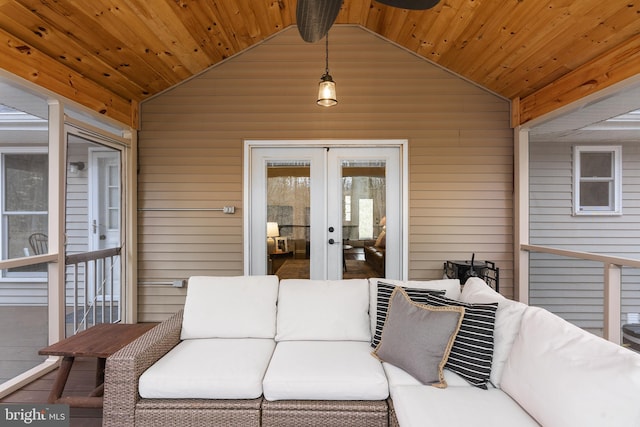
278, 258
99, 341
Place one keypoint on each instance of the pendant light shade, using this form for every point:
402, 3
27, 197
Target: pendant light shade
327, 87
327, 91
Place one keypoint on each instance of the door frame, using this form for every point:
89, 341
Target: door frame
95, 154
99, 142
402, 144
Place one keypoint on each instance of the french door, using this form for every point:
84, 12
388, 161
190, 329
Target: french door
104, 213
325, 212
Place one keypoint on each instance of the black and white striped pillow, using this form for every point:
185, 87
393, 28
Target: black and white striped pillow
472, 351
384, 294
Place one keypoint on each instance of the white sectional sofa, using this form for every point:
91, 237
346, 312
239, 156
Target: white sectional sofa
255, 351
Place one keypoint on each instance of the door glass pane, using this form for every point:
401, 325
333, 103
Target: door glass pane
363, 228
113, 198
288, 219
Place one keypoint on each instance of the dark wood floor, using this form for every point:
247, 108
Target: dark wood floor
81, 382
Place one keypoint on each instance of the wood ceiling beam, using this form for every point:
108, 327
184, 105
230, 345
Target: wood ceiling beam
618, 64
27, 62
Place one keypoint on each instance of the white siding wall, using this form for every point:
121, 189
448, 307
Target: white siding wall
571, 288
191, 148
77, 214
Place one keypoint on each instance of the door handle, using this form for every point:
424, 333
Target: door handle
331, 241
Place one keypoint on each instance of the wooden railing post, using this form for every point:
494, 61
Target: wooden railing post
521, 215
612, 302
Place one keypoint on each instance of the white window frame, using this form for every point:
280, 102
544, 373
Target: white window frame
7, 276
615, 199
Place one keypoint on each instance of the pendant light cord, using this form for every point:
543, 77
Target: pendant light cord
326, 64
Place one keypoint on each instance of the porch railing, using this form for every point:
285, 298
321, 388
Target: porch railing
612, 283
92, 288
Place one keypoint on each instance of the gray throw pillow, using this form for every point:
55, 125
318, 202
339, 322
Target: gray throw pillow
382, 304
418, 338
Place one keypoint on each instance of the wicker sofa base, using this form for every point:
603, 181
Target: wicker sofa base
325, 413
124, 407
260, 412
198, 412
393, 420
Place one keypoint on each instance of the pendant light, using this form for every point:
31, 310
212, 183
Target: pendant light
327, 87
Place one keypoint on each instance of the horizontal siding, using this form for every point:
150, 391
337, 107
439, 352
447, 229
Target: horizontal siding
191, 154
23, 293
77, 219
572, 288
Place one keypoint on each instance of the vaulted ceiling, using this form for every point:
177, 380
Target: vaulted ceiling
110, 55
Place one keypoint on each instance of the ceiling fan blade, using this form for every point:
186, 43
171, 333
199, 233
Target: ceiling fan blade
315, 18
410, 4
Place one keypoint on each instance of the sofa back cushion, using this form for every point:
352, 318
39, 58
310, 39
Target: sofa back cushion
326, 310
565, 376
230, 307
507, 323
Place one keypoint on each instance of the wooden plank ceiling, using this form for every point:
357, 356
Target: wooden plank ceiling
112, 54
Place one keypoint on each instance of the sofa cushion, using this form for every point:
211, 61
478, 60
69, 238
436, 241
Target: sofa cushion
565, 376
330, 310
384, 295
451, 288
230, 307
398, 377
216, 368
507, 326
472, 350
418, 338
324, 370
423, 406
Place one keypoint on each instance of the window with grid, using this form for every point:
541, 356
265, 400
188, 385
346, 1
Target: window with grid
24, 207
597, 180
